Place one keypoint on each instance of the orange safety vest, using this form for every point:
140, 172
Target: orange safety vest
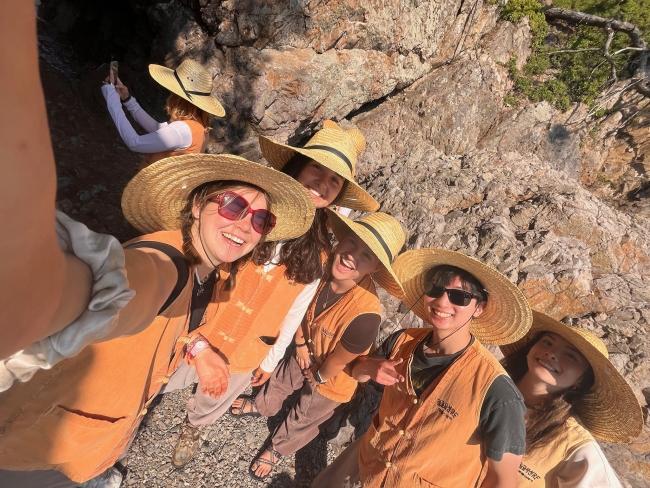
80, 416
538, 467
431, 440
199, 141
248, 319
324, 332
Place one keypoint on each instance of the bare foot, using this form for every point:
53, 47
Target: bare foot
244, 406
262, 466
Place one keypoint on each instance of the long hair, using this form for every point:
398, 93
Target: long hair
301, 256
544, 421
180, 109
186, 218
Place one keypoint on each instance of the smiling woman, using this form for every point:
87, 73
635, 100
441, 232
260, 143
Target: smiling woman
204, 215
574, 395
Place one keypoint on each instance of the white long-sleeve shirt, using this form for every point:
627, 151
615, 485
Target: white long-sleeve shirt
291, 321
160, 137
587, 467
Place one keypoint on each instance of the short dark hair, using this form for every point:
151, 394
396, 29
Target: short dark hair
444, 274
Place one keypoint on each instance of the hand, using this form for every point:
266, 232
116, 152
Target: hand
308, 374
212, 371
303, 357
383, 371
121, 89
259, 377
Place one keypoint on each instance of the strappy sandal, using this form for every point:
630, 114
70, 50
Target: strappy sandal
241, 411
276, 457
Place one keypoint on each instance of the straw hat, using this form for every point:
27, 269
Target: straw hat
336, 149
610, 410
190, 81
385, 237
155, 196
506, 316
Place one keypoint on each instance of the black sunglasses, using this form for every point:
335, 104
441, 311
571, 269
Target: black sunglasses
458, 297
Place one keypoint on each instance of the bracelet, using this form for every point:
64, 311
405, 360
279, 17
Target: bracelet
197, 345
319, 379
302, 344
126, 99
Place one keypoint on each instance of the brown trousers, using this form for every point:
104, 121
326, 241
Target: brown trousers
301, 423
202, 409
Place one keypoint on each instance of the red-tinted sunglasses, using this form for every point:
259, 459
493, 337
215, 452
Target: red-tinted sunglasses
235, 207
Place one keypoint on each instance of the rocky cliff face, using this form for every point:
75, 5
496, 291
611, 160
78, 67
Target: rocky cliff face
556, 201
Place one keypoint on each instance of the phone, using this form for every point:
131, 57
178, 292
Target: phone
113, 69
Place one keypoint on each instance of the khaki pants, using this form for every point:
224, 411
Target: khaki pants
301, 424
201, 408
343, 472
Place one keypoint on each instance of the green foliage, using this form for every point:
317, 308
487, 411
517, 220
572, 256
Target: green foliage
562, 78
515, 10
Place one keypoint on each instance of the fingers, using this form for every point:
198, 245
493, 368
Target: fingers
387, 373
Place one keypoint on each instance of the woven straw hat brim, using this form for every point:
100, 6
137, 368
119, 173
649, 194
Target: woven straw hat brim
610, 411
506, 316
353, 196
385, 277
165, 77
153, 199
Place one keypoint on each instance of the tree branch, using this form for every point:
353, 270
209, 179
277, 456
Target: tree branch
573, 17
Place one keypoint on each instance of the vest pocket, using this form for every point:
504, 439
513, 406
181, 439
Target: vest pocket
73, 434
420, 482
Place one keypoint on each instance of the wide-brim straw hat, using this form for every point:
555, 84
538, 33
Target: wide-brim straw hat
610, 410
154, 198
190, 81
385, 237
506, 316
335, 148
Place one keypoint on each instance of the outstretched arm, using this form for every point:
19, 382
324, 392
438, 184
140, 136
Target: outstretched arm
42, 288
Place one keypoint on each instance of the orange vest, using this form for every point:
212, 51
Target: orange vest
79, 417
253, 309
431, 440
197, 146
537, 468
324, 332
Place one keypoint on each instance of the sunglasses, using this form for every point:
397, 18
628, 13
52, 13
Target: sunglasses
235, 207
458, 297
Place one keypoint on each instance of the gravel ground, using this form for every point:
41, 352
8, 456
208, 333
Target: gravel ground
228, 448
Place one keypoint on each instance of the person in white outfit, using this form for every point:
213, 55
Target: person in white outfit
190, 106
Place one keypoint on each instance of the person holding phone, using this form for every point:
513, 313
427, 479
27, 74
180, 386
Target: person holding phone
190, 106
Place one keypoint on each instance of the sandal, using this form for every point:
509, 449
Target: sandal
276, 457
241, 410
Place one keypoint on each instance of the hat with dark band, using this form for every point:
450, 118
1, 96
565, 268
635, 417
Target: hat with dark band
190, 81
335, 148
385, 237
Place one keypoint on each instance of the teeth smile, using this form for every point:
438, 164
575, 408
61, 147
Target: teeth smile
233, 238
315, 193
547, 366
347, 264
441, 314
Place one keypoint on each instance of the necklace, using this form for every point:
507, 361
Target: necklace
201, 283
